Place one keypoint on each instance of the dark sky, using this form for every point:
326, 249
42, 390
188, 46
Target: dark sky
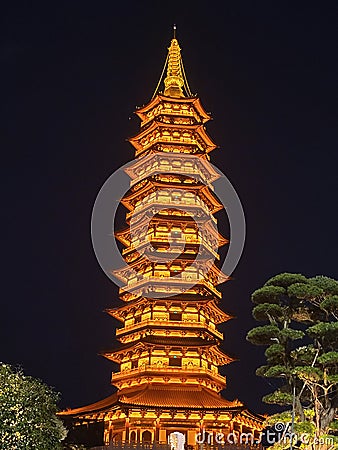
72, 74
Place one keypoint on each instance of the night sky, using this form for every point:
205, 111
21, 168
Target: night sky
72, 75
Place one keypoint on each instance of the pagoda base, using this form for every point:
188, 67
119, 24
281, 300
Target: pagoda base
151, 414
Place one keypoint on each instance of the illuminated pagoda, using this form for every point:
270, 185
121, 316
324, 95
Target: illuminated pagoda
169, 346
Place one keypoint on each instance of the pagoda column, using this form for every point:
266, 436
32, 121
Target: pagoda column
127, 429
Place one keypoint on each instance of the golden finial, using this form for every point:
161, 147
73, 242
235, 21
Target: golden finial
174, 80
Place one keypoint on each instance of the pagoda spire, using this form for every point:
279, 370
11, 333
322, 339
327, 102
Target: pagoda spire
175, 82
175, 79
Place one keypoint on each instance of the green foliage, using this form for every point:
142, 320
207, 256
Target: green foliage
308, 373
303, 355
268, 294
278, 372
275, 353
278, 398
330, 304
324, 332
28, 413
334, 425
326, 359
284, 417
268, 311
333, 379
291, 334
305, 427
263, 335
260, 371
286, 279
329, 285
304, 291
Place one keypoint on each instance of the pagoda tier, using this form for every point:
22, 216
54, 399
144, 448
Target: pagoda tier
169, 350
144, 277
153, 359
169, 163
156, 232
199, 311
188, 138
188, 318
160, 189
173, 109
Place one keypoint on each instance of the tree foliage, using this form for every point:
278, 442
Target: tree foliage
300, 331
28, 413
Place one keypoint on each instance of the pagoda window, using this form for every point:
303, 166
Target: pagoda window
189, 276
134, 364
175, 362
147, 436
133, 436
176, 234
176, 273
175, 316
162, 228
162, 234
176, 196
164, 161
162, 273
132, 280
138, 319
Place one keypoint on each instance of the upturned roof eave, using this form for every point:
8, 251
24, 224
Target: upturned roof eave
196, 102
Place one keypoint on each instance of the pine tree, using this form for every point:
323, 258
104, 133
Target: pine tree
301, 336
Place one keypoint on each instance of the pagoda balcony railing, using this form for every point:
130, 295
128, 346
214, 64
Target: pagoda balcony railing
164, 168
169, 139
169, 203
167, 370
168, 324
171, 113
169, 283
149, 239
